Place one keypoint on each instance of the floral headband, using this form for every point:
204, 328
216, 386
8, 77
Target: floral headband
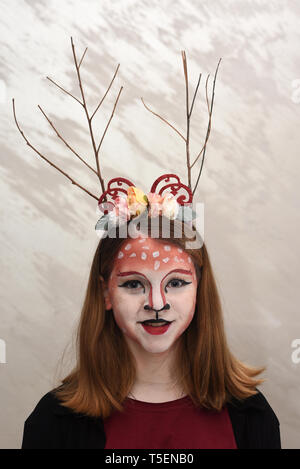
136, 202
131, 202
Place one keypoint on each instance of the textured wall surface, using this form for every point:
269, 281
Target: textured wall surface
249, 184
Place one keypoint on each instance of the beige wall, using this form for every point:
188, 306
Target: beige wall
249, 185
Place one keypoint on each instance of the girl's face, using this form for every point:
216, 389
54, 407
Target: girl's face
159, 276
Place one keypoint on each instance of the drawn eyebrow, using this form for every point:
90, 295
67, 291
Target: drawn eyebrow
181, 271
133, 272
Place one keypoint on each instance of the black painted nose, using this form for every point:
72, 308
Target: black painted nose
167, 306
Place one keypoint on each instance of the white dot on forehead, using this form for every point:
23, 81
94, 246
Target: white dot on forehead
143, 256
127, 247
155, 254
145, 247
142, 240
176, 259
156, 265
180, 250
167, 248
190, 260
166, 259
120, 255
133, 254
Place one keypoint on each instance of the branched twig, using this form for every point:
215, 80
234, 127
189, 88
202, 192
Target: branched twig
66, 143
82, 57
89, 119
209, 126
209, 123
106, 92
46, 159
187, 143
190, 113
67, 92
188, 117
163, 120
109, 120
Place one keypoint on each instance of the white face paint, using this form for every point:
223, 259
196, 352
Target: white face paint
154, 273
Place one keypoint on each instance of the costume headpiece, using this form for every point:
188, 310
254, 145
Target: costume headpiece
173, 199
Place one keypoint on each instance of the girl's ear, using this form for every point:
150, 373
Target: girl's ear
108, 304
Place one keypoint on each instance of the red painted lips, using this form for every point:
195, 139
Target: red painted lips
156, 330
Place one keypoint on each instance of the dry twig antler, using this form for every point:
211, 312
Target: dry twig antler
89, 119
188, 114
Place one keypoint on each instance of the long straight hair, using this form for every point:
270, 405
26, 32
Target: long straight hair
105, 368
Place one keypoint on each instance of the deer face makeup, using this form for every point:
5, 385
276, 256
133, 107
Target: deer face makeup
152, 280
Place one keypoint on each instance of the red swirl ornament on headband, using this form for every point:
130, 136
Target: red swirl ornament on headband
172, 187
114, 192
175, 187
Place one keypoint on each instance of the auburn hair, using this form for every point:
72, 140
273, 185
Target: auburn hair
105, 371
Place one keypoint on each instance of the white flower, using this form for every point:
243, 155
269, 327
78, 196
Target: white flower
170, 206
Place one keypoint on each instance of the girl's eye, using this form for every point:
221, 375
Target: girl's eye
131, 284
174, 283
178, 282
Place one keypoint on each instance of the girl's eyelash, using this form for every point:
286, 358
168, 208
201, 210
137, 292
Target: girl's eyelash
179, 280
128, 282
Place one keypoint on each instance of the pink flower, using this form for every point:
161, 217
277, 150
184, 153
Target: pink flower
121, 209
156, 201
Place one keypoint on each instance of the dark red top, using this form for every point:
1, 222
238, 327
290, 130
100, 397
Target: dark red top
175, 424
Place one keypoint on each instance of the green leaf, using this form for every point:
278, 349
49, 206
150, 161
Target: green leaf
102, 223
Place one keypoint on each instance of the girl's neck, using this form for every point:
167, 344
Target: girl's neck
155, 394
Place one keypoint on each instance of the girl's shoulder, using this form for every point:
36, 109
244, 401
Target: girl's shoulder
254, 422
48, 406
52, 425
256, 402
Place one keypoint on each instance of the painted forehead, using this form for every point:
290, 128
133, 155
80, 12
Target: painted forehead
153, 255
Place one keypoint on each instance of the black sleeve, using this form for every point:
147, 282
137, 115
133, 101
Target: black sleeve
42, 427
263, 428
54, 426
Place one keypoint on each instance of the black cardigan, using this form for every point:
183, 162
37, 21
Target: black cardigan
53, 426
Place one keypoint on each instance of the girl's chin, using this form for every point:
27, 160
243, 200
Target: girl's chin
155, 349
149, 343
